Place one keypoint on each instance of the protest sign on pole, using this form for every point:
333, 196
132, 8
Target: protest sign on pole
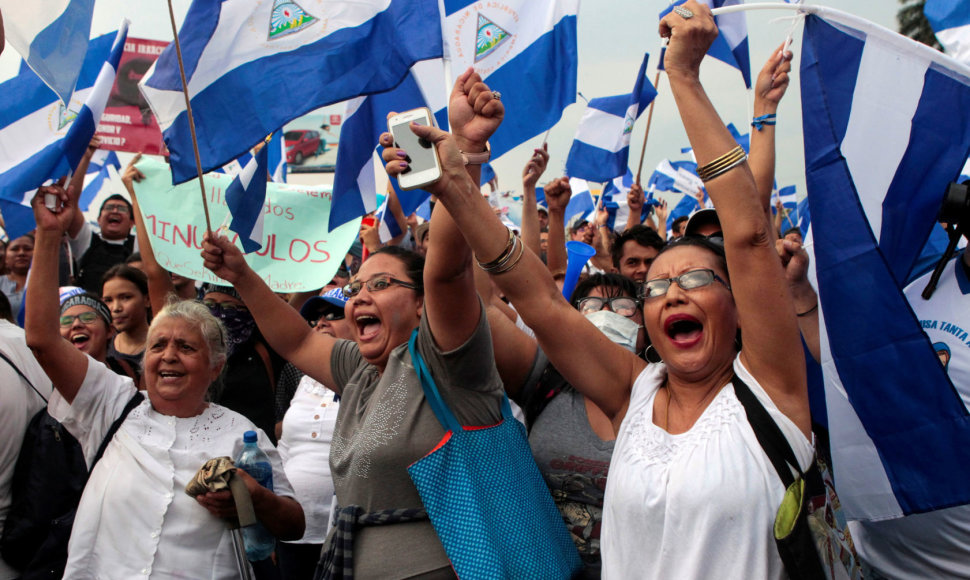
128, 123
298, 252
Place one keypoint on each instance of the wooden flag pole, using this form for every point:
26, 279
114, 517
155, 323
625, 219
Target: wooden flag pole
643, 150
188, 109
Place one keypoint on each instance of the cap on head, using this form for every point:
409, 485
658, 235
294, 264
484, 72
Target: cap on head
701, 218
334, 297
89, 300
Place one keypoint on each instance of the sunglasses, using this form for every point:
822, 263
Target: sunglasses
329, 317
620, 305
375, 284
85, 317
687, 281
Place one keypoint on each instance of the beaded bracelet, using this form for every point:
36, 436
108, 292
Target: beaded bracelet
759, 122
722, 164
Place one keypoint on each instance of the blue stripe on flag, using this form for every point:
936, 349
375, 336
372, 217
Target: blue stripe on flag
246, 196
57, 52
878, 348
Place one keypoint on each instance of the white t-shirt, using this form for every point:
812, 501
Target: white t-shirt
305, 449
934, 544
699, 504
135, 519
18, 404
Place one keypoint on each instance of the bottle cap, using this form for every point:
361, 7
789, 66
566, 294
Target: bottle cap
249, 437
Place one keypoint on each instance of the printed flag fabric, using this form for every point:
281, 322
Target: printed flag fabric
40, 138
950, 20
731, 44
580, 201
886, 127
526, 50
52, 36
601, 148
97, 172
246, 196
253, 66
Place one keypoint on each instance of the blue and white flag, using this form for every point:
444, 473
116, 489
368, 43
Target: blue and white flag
676, 176
601, 148
52, 36
686, 206
253, 66
99, 166
40, 138
246, 196
388, 227
876, 169
580, 201
950, 20
360, 171
525, 49
731, 44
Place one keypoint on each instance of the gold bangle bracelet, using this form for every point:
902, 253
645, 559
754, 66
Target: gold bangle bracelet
724, 163
503, 257
514, 262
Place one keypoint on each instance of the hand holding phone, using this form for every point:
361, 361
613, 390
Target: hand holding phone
424, 166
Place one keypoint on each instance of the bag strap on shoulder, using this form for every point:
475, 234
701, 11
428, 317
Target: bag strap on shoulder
22, 375
134, 402
772, 440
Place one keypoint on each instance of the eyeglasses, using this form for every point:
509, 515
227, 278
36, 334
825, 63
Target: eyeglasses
621, 305
329, 317
224, 306
375, 284
84, 317
687, 281
119, 207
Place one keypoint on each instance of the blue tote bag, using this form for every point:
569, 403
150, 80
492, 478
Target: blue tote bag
486, 498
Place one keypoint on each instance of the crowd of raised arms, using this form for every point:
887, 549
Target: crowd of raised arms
637, 394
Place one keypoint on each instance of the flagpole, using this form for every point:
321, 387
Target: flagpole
643, 149
188, 109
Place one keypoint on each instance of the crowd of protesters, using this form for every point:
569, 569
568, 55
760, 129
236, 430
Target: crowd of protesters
630, 389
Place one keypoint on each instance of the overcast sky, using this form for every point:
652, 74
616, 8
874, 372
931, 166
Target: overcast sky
613, 35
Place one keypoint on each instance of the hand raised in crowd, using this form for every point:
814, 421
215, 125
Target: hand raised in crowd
370, 236
662, 211
689, 39
536, 166
59, 218
635, 198
794, 259
474, 112
132, 174
223, 258
558, 193
772, 81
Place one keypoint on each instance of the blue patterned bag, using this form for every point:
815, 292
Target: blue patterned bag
487, 500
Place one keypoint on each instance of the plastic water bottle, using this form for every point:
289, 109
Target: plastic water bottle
260, 543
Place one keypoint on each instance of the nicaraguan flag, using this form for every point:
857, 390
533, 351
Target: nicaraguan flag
581, 200
886, 126
52, 36
252, 66
804, 217
676, 176
360, 171
950, 20
246, 196
601, 148
98, 171
731, 44
40, 138
686, 206
388, 228
525, 49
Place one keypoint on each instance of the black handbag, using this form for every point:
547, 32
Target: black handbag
810, 531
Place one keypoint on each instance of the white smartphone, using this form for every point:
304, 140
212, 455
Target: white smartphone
422, 157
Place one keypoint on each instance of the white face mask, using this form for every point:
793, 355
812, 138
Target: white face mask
618, 328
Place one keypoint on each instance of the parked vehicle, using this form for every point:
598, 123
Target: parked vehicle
300, 144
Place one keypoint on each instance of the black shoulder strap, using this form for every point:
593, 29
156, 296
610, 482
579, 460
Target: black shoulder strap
134, 402
22, 375
770, 437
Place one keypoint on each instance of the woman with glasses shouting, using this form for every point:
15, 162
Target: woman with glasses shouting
384, 422
690, 490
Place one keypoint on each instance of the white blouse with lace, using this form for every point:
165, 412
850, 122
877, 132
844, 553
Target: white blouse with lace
134, 519
699, 504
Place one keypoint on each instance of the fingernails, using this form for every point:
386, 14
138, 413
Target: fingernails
401, 153
402, 164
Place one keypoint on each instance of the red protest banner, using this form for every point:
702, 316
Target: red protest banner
127, 123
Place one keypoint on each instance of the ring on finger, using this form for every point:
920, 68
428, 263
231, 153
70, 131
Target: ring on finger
497, 95
684, 13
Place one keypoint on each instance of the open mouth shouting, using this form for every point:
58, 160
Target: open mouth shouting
80, 340
368, 326
683, 330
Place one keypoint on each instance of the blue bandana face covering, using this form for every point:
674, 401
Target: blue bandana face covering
239, 325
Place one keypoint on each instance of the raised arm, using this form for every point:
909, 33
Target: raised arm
530, 211
282, 326
634, 201
558, 193
159, 280
597, 367
64, 364
771, 349
768, 90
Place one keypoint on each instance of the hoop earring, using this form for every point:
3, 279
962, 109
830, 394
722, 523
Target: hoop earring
651, 355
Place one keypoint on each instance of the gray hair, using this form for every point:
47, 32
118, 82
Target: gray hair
196, 314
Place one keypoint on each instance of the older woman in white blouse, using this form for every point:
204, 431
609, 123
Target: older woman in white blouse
134, 519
